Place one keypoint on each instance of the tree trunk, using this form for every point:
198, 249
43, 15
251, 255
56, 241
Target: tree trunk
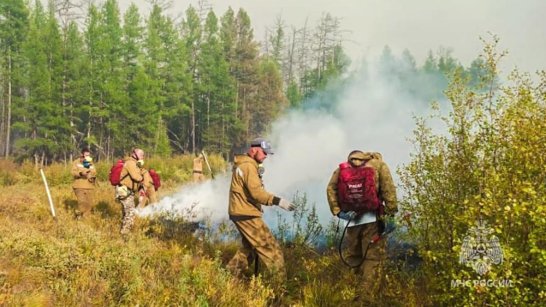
3, 118
237, 99
208, 110
193, 126
223, 129
157, 133
290, 73
8, 120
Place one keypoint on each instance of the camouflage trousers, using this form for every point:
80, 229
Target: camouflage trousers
257, 241
358, 239
128, 219
85, 201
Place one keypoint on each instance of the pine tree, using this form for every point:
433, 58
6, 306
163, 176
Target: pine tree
40, 119
179, 91
216, 88
13, 32
95, 51
245, 68
75, 84
228, 38
270, 99
431, 64
191, 28
136, 83
112, 95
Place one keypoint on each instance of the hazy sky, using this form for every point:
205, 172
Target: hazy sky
419, 25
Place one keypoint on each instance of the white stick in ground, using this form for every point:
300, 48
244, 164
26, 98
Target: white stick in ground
207, 162
48, 193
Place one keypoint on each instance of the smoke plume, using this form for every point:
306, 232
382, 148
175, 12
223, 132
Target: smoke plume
371, 110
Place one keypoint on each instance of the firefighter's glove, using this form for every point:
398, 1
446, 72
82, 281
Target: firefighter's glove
90, 178
387, 225
283, 203
391, 225
346, 215
142, 193
87, 162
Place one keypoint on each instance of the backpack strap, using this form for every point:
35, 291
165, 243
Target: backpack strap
121, 179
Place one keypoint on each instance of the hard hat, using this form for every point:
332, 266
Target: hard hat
263, 143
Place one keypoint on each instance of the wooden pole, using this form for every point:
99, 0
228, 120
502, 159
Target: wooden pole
207, 162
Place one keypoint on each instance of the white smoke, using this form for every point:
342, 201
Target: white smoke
195, 201
373, 112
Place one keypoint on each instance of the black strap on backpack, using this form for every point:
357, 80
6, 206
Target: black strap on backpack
256, 264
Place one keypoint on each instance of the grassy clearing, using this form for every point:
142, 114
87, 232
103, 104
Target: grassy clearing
72, 263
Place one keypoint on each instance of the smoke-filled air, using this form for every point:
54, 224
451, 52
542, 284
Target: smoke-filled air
371, 109
272, 153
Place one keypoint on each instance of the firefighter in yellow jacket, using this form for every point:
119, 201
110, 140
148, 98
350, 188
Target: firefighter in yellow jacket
246, 197
198, 169
84, 174
147, 193
130, 183
366, 248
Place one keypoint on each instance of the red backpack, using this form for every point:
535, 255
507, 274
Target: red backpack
115, 173
155, 178
356, 188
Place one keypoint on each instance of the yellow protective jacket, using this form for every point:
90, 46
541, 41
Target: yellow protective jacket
386, 189
131, 174
198, 164
246, 193
82, 175
148, 184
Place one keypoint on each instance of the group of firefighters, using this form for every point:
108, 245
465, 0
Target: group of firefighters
360, 191
135, 183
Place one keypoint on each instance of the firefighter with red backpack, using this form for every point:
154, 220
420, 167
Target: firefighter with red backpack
362, 192
127, 177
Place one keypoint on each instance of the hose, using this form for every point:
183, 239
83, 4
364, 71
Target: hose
375, 239
341, 242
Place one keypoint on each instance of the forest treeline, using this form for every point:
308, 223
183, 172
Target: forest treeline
111, 80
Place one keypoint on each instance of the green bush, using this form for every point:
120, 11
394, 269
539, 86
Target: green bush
490, 168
